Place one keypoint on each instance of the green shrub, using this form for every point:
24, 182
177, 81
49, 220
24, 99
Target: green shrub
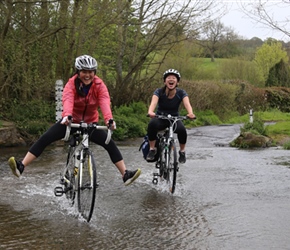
256, 127
131, 121
278, 98
36, 127
129, 127
33, 110
34, 116
207, 117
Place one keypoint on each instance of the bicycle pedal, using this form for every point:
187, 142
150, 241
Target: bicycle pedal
58, 191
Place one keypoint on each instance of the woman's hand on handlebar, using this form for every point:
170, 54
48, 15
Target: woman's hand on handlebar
66, 120
191, 116
111, 124
151, 114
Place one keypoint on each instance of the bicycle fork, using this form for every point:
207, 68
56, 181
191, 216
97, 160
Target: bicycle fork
161, 164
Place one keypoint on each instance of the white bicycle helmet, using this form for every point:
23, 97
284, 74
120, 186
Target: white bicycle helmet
172, 72
86, 62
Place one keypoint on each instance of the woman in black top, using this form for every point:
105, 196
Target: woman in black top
167, 100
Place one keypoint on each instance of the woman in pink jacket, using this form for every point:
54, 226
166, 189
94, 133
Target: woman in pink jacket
83, 94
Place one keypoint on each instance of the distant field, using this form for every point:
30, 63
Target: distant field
223, 68
205, 69
209, 65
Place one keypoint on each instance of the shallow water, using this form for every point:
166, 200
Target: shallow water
225, 198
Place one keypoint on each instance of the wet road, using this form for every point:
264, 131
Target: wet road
225, 198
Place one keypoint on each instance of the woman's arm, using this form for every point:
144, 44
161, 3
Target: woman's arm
68, 97
152, 106
105, 102
188, 107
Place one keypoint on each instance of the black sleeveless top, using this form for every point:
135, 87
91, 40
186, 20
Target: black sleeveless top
167, 105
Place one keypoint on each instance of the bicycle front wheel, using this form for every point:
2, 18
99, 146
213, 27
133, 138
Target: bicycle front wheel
172, 167
87, 183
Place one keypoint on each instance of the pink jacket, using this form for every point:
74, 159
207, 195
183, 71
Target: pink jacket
86, 108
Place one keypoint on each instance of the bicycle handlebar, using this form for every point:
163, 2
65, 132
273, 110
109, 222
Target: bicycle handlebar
87, 125
172, 117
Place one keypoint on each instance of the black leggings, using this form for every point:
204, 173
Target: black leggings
156, 125
57, 132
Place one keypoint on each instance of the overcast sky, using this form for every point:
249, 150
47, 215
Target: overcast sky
248, 28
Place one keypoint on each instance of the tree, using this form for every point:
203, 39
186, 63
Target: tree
130, 40
268, 55
25, 67
279, 75
146, 32
215, 36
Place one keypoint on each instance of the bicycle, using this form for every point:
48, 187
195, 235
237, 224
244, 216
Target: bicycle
79, 176
167, 163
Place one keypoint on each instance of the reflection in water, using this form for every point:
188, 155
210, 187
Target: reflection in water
225, 199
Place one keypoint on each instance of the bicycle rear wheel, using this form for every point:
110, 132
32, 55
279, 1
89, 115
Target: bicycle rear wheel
172, 167
87, 183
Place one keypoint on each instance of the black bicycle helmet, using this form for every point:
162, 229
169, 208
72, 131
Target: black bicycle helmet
171, 72
86, 62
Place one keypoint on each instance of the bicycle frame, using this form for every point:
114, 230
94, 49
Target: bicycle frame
81, 147
79, 174
167, 152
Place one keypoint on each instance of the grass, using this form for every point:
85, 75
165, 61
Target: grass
207, 64
238, 119
279, 131
207, 69
281, 127
274, 115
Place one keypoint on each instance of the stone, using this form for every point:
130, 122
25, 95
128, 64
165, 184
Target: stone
250, 140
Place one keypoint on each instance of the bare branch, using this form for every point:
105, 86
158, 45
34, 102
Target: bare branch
263, 12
